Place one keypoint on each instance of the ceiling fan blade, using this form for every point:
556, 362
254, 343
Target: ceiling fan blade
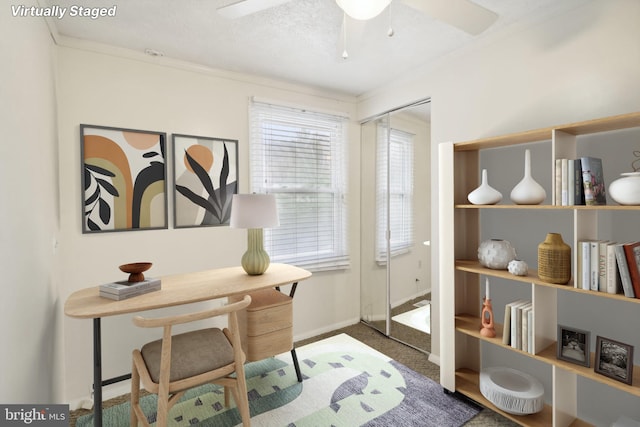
247, 7
462, 14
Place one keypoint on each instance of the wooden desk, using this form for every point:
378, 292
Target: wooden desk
176, 289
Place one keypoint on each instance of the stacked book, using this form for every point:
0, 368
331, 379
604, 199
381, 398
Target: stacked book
579, 182
124, 289
612, 267
517, 330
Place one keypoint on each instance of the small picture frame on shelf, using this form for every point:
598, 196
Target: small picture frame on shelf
573, 345
614, 359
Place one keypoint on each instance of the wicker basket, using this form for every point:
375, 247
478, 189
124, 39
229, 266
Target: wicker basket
554, 260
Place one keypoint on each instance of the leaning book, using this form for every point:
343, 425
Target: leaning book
593, 181
123, 289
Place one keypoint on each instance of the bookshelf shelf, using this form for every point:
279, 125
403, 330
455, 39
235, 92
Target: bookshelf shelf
460, 236
469, 325
472, 266
552, 207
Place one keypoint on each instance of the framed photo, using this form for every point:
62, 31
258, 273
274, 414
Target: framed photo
206, 178
614, 359
573, 345
123, 175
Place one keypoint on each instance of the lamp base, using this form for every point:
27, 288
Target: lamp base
255, 260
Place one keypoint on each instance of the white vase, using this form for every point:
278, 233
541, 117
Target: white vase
626, 190
528, 191
518, 267
484, 194
496, 254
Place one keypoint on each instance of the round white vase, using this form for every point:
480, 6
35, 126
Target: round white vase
496, 254
528, 191
626, 190
484, 194
518, 267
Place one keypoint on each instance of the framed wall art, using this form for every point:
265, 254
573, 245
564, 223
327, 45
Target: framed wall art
573, 345
206, 178
614, 359
123, 175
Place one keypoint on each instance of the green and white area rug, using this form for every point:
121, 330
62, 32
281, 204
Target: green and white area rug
346, 384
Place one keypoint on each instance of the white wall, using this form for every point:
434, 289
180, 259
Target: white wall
102, 89
28, 213
571, 66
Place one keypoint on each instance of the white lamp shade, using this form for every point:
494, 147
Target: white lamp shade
363, 9
254, 211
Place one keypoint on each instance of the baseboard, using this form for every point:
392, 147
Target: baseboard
325, 329
108, 392
434, 358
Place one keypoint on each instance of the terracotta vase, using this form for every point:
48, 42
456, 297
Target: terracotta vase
528, 191
484, 194
554, 260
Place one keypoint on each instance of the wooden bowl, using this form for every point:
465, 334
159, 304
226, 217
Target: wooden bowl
135, 270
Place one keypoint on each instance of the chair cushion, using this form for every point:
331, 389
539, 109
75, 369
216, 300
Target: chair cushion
192, 353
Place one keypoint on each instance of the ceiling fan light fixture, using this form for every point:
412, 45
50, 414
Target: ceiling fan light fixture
363, 9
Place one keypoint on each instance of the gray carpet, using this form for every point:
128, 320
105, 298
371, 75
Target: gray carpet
405, 355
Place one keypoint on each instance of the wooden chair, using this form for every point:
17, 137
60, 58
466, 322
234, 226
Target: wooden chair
174, 364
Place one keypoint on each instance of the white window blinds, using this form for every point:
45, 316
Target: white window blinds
300, 156
399, 155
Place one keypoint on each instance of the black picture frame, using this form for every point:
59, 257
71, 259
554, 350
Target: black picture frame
123, 175
205, 181
614, 359
574, 345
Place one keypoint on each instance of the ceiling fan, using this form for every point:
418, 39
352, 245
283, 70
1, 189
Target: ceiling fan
462, 14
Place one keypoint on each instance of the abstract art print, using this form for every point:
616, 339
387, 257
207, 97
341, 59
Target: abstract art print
206, 178
123, 179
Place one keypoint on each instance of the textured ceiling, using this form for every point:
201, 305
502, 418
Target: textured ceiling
298, 41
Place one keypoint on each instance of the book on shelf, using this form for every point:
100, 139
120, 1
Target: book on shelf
558, 183
602, 265
123, 289
569, 188
632, 253
577, 183
623, 270
583, 276
519, 310
530, 331
564, 186
593, 181
516, 323
506, 325
506, 328
612, 273
594, 264
526, 327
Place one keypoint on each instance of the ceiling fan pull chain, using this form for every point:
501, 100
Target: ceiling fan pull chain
390, 31
345, 54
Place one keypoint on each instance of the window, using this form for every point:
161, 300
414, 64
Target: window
396, 157
300, 156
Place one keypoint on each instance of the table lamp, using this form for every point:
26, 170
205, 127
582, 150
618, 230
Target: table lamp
254, 212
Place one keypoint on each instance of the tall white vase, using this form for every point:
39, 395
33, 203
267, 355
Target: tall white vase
528, 191
484, 194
